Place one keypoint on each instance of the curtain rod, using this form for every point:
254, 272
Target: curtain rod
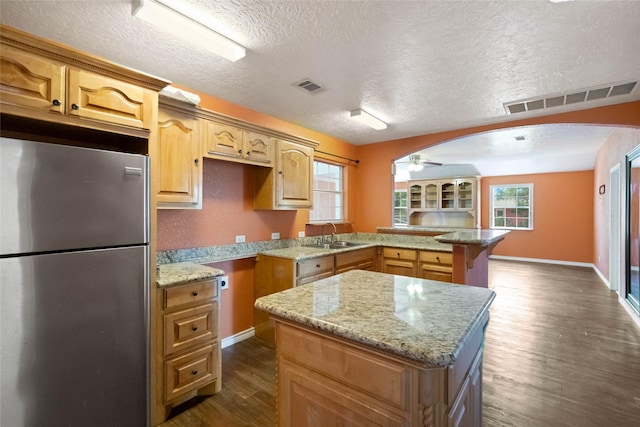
357, 162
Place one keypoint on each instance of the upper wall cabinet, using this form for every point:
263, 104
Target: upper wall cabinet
228, 142
290, 184
451, 202
50, 82
179, 171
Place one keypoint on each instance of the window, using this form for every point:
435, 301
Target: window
327, 193
400, 207
512, 206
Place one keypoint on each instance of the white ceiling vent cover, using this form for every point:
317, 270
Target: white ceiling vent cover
309, 86
574, 97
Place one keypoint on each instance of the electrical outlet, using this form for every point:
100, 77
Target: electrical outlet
275, 236
224, 282
239, 239
300, 233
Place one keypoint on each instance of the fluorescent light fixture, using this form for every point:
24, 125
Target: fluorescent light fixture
368, 119
187, 28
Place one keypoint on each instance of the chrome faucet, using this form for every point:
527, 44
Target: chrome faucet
332, 234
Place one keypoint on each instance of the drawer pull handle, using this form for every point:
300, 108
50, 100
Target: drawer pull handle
194, 372
75, 107
194, 293
438, 258
194, 328
398, 254
317, 265
56, 102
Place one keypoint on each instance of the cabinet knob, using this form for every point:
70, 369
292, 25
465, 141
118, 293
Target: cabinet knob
194, 328
239, 151
438, 258
280, 172
75, 107
196, 161
248, 153
56, 102
194, 293
194, 372
317, 265
398, 254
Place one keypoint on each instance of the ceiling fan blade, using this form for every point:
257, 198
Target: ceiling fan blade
425, 162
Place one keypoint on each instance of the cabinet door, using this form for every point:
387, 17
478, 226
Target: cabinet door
465, 192
93, 96
415, 196
179, 167
448, 195
258, 148
295, 175
224, 140
431, 196
30, 81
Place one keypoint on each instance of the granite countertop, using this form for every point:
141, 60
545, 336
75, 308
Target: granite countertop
473, 237
422, 320
299, 253
184, 272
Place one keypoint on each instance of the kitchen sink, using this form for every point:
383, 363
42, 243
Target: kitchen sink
334, 245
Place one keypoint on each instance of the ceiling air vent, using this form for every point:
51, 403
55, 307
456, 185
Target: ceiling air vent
309, 86
581, 95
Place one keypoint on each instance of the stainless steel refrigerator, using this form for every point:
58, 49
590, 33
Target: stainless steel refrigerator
73, 286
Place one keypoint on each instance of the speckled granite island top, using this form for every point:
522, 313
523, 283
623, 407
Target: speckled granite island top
422, 320
184, 272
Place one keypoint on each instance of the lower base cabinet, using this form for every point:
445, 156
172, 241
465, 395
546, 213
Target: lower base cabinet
191, 357
324, 380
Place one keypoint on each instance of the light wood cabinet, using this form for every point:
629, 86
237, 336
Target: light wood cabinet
324, 380
357, 259
403, 262
274, 274
435, 266
308, 271
179, 171
290, 184
445, 203
229, 142
191, 351
36, 86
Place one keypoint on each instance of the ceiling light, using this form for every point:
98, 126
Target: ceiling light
415, 165
368, 119
187, 28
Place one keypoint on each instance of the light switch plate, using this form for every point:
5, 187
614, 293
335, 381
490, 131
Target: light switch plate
300, 233
239, 239
275, 236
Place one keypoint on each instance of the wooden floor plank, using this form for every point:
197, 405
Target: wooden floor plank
559, 351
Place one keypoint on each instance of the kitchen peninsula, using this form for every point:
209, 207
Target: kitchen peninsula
365, 347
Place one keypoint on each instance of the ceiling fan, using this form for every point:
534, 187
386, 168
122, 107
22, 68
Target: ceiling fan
416, 164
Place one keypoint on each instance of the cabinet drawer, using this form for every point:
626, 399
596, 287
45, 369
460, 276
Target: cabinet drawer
309, 279
189, 328
360, 256
193, 292
189, 372
408, 254
315, 266
347, 365
436, 257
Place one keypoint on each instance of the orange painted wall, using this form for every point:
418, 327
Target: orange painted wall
374, 207
562, 217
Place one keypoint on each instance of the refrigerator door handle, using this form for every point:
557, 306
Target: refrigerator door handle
132, 171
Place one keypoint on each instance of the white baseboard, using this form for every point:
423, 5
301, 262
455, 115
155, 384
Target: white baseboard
240, 336
601, 276
630, 310
541, 260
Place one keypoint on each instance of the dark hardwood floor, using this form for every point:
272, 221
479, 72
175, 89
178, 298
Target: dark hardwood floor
560, 351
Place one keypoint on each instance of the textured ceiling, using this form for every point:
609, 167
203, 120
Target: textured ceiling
421, 66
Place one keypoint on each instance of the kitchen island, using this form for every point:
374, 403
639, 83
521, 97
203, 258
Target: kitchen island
372, 348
